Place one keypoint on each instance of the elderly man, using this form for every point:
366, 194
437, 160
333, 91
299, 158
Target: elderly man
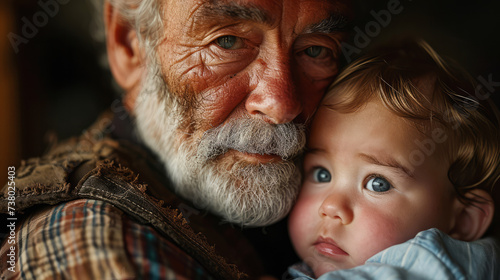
218, 93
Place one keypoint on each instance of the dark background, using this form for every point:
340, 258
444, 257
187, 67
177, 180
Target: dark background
54, 86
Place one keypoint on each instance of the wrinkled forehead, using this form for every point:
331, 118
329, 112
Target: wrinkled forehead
300, 15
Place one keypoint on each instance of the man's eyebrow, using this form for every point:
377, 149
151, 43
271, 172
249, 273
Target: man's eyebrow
235, 11
334, 23
388, 162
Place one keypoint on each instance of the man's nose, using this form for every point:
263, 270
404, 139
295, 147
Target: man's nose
275, 97
337, 206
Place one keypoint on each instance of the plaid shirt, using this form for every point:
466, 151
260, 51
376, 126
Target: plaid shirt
91, 239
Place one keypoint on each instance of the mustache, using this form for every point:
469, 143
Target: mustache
253, 136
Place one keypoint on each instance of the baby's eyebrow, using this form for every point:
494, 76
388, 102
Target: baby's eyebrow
388, 161
315, 151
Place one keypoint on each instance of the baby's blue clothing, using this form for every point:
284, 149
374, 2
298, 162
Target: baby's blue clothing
430, 255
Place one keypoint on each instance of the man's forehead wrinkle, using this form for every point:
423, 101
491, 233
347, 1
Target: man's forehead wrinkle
221, 9
334, 23
197, 20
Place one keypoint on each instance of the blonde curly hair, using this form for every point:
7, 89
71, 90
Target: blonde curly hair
395, 76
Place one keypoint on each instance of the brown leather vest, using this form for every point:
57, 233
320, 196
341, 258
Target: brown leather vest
94, 166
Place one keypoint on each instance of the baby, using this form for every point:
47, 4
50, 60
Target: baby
399, 146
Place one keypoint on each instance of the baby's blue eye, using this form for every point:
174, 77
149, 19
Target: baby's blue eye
314, 51
321, 175
378, 184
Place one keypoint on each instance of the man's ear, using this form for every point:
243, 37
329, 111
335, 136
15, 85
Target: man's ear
126, 59
473, 219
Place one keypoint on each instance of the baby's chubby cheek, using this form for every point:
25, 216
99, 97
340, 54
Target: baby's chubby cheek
301, 224
376, 234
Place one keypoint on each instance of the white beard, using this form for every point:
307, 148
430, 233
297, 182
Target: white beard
238, 191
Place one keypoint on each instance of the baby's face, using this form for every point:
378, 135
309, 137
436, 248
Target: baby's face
371, 180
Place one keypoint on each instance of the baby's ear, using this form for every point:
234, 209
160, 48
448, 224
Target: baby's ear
473, 219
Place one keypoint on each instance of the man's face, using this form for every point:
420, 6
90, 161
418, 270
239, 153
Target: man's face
226, 61
270, 60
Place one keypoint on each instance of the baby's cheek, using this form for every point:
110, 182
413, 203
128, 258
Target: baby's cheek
296, 221
379, 233
301, 224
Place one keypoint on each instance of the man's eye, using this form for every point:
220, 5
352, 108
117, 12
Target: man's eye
321, 175
316, 51
229, 42
378, 184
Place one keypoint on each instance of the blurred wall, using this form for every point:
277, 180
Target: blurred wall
61, 86
466, 31
10, 145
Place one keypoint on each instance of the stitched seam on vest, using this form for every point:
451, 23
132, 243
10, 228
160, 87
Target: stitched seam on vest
113, 195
